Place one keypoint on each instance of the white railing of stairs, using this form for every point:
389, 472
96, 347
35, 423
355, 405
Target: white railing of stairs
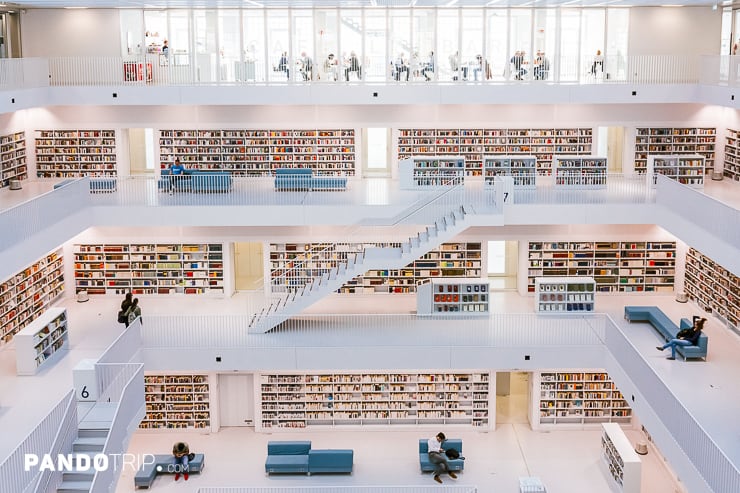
305, 284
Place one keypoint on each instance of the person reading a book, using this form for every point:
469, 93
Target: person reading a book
685, 337
438, 458
181, 452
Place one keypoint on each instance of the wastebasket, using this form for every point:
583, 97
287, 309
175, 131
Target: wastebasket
15, 185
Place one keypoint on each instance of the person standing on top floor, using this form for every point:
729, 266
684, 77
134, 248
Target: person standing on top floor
125, 304
133, 312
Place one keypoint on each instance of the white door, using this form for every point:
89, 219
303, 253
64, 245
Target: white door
236, 399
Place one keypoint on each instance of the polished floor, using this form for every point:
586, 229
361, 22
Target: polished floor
566, 460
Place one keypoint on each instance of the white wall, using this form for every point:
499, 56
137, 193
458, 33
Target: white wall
64, 32
674, 31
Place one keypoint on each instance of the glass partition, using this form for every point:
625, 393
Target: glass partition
132, 32
593, 42
569, 63
497, 50
155, 25
520, 40
376, 65
278, 45
448, 40
179, 43
404, 64
351, 29
545, 27
206, 48
327, 43
422, 42
303, 50
255, 63
229, 40
473, 59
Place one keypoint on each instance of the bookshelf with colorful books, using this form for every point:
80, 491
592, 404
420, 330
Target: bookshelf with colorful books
564, 295
576, 398
580, 172
177, 401
620, 461
475, 143
671, 141
615, 266
13, 158
432, 171
75, 153
41, 341
149, 268
258, 152
523, 170
291, 401
713, 287
731, 168
452, 297
28, 293
687, 170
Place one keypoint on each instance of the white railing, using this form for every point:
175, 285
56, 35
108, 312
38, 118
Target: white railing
41, 440
128, 391
25, 220
716, 468
718, 219
497, 330
207, 70
618, 189
340, 489
23, 73
65, 437
112, 379
124, 348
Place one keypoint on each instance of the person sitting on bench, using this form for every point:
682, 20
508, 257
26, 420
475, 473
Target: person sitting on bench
438, 458
685, 337
181, 452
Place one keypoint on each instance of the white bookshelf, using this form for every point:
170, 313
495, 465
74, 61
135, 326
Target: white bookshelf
674, 140
622, 464
177, 401
75, 153
577, 399
523, 170
713, 287
580, 172
289, 401
29, 292
474, 143
616, 266
42, 341
258, 152
13, 158
453, 297
430, 171
564, 295
149, 268
688, 170
731, 168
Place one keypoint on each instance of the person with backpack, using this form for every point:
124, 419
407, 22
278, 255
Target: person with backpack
125, 304
438, 458
133, 311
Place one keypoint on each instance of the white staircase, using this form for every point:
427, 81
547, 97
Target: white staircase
88, 443
365, 259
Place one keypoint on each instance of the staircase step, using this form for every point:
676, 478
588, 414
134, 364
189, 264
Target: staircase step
79, 476
88, 444
74, 486
92, 432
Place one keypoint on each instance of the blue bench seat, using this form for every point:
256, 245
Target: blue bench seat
97, 185
288, 179
667, 329
298, 457
164, 464
193, 180
454, 464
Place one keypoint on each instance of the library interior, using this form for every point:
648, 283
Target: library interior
304, 237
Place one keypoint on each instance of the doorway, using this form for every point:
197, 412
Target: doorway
141, 150
503, 262
236, 399
248, 266
611, 146
377, 157
512, 397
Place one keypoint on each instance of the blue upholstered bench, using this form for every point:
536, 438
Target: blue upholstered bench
304, 179
454, 464
97, 185
164, 464
298, 457
210, 181
182, 182
667, 329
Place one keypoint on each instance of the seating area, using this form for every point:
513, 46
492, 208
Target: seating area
454, 464
97, 185
667, 329
195, 181
164, 464
299, 457
303, 179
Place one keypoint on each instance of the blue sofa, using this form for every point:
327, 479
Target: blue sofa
164, 464
193, 180
298, 457
454, 464
667, 329
97, 185
304, 179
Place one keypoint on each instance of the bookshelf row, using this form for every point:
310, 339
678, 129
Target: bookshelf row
28, 293
564, 295
674, 140
620, 459
41, 341
713, 287
523, 170
688, 170
13, 158
626, 266
292, 265
453, 297
731, 167
474, 143
577, 398
580, 172
260, 152
176, 401
74, 153
149, 268
312, 400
